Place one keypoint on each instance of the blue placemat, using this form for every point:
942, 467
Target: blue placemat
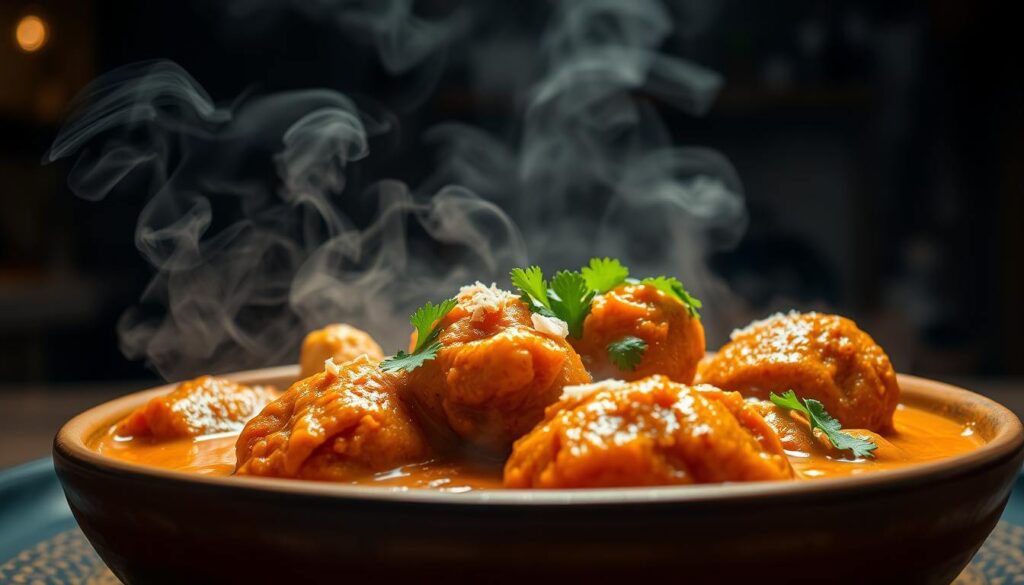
40, 543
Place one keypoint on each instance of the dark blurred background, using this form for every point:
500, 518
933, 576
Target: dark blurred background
879, 143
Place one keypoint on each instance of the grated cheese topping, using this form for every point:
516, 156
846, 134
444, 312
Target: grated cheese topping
584, 390
766, 321
479, 299
331, 368
552, 326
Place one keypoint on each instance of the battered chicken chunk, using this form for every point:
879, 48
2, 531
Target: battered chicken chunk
495, 372
647, 432
197, 407
794, 432
339, 342
825, 357
674, 338
338, 425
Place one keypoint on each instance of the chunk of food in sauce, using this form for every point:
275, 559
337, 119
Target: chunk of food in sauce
796, 436
819, 356
495, 372
339, 342
197, 407
646, 432
344, 423
674, 339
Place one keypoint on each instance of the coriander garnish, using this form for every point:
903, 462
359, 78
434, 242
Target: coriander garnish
819, 418
426, 320
570, 299
627, 352
533, 289
604, 274
671, 286
567, 297
569, 294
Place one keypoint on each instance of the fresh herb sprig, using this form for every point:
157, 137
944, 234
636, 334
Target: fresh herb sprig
627, 352
533, 289
604, 274
819, 418
570, 299
569, 294
671, 286
567, 297
425, 320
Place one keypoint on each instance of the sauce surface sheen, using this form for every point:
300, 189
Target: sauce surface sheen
920, 435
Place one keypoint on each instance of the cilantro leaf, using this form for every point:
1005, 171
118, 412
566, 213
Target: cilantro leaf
833, 430
604, 274
410, 361
788, 400
568, 297
670, 285
426, 320
627, 352
569, 293
533, 289
819, 418
570, 300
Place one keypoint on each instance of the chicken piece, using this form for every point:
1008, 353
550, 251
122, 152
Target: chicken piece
339, 342
795, 435
674, 338
646, 432
495, 372
824, 357
341, 424
197, 407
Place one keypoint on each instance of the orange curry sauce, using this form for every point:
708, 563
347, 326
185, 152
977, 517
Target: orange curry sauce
920, 436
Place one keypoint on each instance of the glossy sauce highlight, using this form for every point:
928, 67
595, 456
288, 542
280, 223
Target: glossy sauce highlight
920, 437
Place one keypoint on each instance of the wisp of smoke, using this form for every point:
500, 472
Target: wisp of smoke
594, 170
404, 42
254, 226
243, 269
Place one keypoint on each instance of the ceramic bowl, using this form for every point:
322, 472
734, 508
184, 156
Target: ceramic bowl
921, 524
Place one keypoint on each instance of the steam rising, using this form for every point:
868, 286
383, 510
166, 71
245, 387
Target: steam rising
401, 39
257, 233
594, 171
240, 287
405, 43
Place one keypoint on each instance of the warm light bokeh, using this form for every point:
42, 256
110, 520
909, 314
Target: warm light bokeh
31, 33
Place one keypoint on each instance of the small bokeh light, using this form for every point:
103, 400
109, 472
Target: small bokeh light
31, 33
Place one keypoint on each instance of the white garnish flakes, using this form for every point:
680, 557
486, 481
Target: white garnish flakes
332, 368
584, 390
479, 299
552, 326
766, 321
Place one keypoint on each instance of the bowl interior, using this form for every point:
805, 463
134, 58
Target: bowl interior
996, 425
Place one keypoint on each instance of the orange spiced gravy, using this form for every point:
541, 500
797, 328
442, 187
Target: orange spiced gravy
920, 436
545, 390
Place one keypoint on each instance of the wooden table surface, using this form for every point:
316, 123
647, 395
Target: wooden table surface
30, 415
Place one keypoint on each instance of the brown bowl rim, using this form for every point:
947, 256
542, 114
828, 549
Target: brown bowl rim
69, 444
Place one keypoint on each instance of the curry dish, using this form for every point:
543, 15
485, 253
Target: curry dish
593, 379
